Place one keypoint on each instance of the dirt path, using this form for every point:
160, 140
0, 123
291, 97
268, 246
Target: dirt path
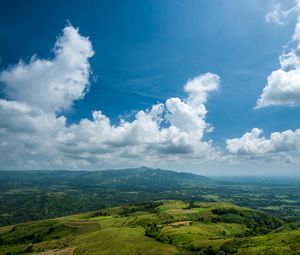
67, 251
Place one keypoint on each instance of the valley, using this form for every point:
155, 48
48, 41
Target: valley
35, 195
146, 211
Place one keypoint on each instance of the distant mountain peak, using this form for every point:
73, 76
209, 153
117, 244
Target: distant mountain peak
145, 168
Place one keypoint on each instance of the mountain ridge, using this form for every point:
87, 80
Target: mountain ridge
142, 177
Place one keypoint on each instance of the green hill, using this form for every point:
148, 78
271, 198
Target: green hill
162, 227
35, 195
134, 178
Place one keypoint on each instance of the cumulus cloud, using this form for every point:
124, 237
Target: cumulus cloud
283, 88
166, 129
281, 145
34, 133
283, 84
53, 84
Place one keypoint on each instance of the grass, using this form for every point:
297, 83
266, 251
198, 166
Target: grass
273, 243
167, 227
121, 240
171, 204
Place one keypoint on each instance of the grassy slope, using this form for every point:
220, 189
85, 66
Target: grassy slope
171, 227
51, 194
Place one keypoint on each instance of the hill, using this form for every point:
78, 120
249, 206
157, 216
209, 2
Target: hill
34, 195
162, 227
133, 178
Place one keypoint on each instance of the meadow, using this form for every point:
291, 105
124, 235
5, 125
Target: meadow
160, 227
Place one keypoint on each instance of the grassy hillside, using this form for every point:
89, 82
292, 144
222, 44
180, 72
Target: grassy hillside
164, 227
35, 195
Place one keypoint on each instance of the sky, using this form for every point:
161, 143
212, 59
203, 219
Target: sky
203, 86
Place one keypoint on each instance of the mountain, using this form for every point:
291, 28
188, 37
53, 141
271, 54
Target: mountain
34, 195
159, 227
131, 178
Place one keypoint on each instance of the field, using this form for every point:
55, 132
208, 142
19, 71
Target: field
162, 227
35, 195
146, 211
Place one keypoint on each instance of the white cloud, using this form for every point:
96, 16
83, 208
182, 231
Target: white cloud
283, 86
276, 15
199, 87
53, 84
165, 131
249, 143
280, 146
34, 134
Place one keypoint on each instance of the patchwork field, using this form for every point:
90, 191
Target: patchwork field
163, 227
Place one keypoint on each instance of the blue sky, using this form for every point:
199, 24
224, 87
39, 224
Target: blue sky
145, 52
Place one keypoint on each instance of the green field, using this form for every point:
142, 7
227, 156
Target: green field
38, 195
163, 227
